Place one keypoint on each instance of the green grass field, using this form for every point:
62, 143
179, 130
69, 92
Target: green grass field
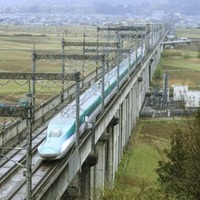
182, 66
190, 33
137, 168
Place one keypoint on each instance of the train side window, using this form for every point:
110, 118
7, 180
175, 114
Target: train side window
55, 133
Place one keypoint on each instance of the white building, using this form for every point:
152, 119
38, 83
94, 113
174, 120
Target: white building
180, 92
191, 97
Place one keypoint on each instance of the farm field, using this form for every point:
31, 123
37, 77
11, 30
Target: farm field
182, 70
17, 45
18, 42
183, 62
190, 33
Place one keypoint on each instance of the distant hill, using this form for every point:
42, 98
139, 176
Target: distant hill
190, 7
131, 2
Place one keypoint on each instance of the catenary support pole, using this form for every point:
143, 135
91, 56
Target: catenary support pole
29, 148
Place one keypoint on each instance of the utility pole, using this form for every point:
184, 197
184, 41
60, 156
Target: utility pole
29, 148
118, 61
63, 69
77, 79
33, 78
103, 82
25, 112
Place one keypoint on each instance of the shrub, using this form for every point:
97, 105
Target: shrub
158, 73
186, 56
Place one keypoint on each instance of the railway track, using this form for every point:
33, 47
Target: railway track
12, 169
12, 165
40, 173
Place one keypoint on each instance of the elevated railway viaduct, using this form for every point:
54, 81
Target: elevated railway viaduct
91, 165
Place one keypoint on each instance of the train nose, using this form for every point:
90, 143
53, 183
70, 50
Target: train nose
48, 153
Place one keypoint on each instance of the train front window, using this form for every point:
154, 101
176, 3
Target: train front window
55, 133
